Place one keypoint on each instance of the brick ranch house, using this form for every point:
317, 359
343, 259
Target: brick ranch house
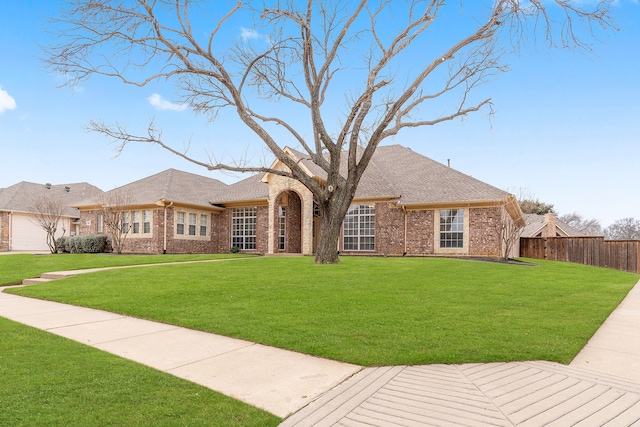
405, 204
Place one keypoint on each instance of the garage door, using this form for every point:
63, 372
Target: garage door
27, 236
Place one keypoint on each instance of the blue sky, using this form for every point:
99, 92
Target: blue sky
566, 127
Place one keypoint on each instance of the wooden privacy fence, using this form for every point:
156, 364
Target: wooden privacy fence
619, 254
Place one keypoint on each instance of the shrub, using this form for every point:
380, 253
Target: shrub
63, 244
88, 244
235, 249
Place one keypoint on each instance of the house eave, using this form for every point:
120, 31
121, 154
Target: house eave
458, 204
240, 203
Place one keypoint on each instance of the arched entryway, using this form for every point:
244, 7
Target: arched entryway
288, 223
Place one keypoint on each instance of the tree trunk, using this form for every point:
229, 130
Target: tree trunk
332, 215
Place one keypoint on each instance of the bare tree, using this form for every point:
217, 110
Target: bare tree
589, 227
390, 63
508, 230
114, 207
623, 229
49, 212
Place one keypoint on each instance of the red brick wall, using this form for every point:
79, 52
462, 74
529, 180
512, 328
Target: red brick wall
293, 224
155, 243
389, 230
484, 238
262, 229
224, 231
4, 231
420, 234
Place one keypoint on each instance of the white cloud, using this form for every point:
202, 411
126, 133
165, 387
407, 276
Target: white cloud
6, 101
249, 34
162, 104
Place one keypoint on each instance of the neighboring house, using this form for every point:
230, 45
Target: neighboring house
19, 230
405, 204
548, 225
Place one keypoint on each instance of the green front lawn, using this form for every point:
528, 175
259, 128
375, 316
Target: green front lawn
15, 268
46, 380
369, 311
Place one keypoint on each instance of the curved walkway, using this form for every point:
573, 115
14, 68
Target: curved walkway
600, 387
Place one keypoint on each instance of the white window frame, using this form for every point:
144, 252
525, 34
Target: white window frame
451, 231
146, 221
359, 228
191, 224
134, 223
204, 225
126, 224
243, 228
180, 223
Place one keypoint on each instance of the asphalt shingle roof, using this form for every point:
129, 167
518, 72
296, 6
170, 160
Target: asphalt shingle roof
22, 196
399, 173
171, 185
251, 188
535, 223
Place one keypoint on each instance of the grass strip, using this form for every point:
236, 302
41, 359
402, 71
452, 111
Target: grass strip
46, 380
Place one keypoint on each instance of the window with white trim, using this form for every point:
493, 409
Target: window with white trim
359, 228
191, 225
180, 223
146, 221
100, 223
452, 228
135, 215
193, 222
203, 225
125, 222
243, 228
138, 223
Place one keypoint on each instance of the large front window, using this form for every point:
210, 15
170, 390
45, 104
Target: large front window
359, 228
243, 228
452, 228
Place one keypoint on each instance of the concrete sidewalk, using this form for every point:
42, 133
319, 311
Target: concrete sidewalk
278, 381
600, 387
615, 347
